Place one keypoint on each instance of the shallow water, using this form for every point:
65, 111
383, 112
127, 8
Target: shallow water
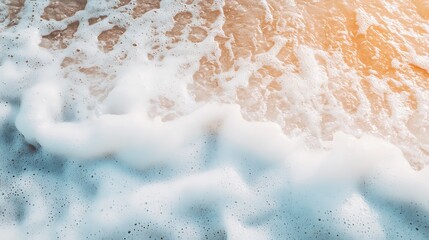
214, 119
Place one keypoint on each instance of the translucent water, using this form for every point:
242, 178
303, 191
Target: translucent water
138, 119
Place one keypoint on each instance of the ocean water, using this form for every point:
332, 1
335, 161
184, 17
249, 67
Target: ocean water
211, 119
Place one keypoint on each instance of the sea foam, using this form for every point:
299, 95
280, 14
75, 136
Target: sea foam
164, 120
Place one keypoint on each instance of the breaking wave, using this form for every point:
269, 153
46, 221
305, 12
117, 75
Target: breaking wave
207, 119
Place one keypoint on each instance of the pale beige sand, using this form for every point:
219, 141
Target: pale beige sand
330, 26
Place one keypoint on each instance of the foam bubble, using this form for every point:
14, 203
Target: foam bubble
364, 21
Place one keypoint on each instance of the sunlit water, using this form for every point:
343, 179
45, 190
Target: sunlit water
235, 119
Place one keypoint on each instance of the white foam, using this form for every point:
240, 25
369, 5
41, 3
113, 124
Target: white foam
364, 21
78, 163
223, 186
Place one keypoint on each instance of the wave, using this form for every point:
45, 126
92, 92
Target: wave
213, 119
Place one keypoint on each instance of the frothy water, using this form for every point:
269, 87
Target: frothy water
149, 119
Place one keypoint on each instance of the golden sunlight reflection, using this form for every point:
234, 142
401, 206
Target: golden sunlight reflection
314, 67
